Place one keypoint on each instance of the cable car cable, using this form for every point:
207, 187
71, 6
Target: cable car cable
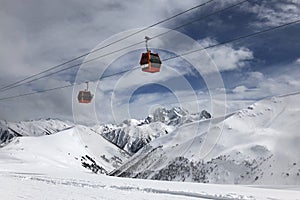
200, 18
173, 57
70, 67
235, 39
65, 86
121, 39
101, 56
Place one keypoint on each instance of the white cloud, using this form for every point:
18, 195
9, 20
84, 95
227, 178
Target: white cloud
285, 79
274, 12
240, 89
38, 34
226, 57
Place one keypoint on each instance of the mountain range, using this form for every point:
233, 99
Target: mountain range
255, 145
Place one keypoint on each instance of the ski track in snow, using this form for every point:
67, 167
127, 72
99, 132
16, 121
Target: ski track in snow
31, 186
36, 177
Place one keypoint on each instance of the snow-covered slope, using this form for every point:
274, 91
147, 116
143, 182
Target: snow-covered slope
66, 150
9, 130
258, 145
79, 186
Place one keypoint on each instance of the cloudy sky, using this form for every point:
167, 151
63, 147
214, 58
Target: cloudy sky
39, 34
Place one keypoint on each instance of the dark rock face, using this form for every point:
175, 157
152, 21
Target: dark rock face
120, 136
205, 114
117, 136
5, 136
138, 143
90, 164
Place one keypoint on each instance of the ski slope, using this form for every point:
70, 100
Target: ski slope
79, 185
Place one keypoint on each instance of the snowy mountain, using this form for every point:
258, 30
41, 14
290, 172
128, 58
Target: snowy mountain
9, 130
258, 145
25, 135
77, 148
133, 134
175, 116
108, 146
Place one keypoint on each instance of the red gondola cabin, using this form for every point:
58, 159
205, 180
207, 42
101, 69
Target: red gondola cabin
85, 96
150, 62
